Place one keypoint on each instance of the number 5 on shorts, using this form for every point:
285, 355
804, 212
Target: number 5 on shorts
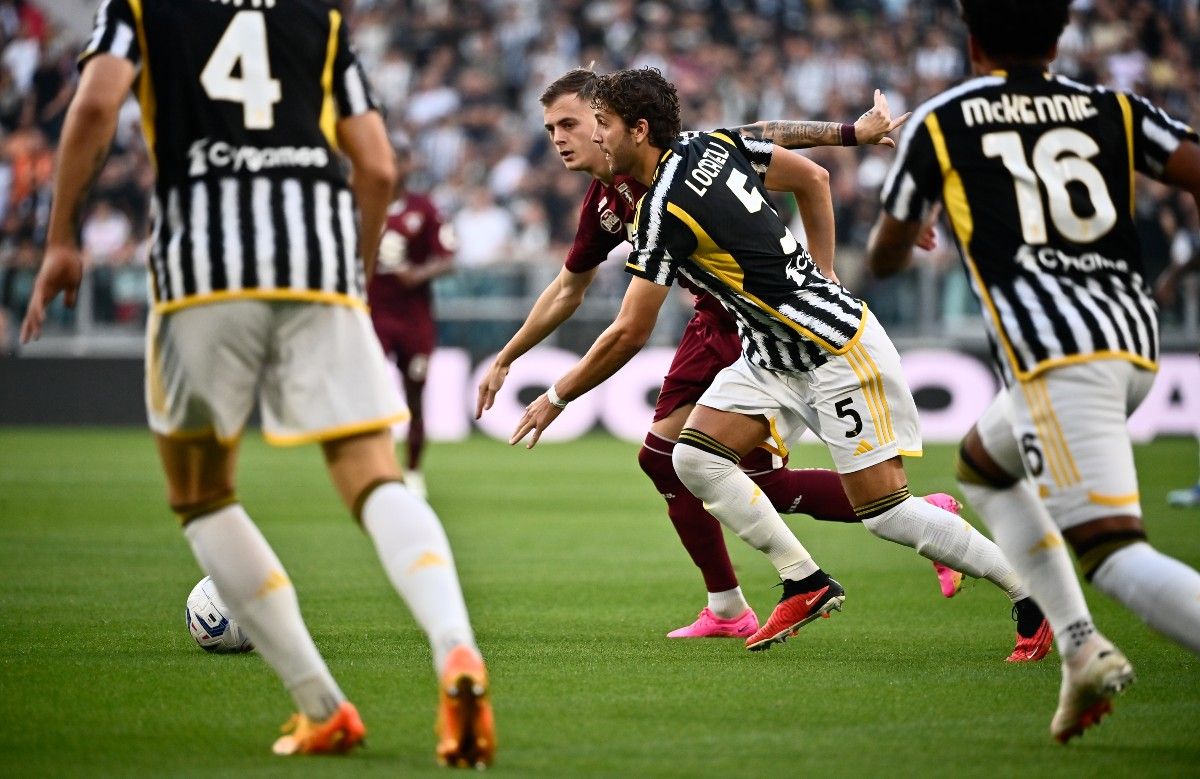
845, 411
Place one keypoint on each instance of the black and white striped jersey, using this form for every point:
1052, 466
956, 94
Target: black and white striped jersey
1037, 176
239, 101
706, 217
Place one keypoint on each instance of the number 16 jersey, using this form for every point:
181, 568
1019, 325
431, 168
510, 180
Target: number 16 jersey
1037, 176
240, 101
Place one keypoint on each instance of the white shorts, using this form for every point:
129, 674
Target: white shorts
1067, 429
857, 403
317, 371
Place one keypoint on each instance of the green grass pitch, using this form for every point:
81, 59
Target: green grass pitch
573, 575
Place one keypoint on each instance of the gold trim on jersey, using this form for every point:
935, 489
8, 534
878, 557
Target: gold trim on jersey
725, 138
710, 257
780, 447
145, 85
300, 295
867, 379
328, 106
1113, 500
334, 433
155, 393
1055, 451
1127, 115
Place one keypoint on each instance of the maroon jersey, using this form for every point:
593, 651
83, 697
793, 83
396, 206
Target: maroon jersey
605, 219
414, 235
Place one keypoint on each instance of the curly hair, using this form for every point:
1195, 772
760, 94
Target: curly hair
640, 93
573, 82
1016, 29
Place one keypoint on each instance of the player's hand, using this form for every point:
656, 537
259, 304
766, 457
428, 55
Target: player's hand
927, 240
873, 126
493, 380
62, 270
538, 416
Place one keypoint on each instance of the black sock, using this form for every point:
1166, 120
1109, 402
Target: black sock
1028, 616
811, 583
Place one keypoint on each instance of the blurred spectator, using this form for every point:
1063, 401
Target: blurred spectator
485, 230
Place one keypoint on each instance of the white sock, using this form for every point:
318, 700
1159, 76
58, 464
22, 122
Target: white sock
1164, 592
1034, 546
415, 552
261, 598
727, 604
730, 496
949, 539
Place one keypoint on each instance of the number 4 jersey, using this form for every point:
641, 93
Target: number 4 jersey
239, 102
1037, 176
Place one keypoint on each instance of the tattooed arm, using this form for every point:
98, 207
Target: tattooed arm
871, 128
87, 132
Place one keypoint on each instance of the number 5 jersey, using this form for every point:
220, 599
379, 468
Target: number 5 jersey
1037, 175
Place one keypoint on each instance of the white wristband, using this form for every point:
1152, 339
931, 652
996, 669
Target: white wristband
554, 399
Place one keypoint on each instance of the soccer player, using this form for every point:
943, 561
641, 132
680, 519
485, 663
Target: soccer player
1037, 176
257, 279
812, 356
416, 248
710, 342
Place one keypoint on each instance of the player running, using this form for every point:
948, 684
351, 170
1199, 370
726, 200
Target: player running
710, 342
417, 247
257, 280
811, 355
1037, 176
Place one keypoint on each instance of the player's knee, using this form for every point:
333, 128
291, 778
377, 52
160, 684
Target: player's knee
699, 461
973, 466
1095, 549
200, 503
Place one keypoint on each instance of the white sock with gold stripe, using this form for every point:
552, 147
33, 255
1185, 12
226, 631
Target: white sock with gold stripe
254, 586
416, 555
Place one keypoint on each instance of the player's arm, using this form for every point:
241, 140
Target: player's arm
870, 128
87, 133
809, 183
558, 301
363, 139
616, 346
1183, 171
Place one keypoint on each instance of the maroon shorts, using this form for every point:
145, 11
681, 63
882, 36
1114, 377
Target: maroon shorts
708, 345
411, 339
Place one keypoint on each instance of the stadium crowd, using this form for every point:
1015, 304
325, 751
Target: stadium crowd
460, 82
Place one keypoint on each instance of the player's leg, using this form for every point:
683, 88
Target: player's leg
202, 366
727, 613
413, 371
730, 420
1076, 415
352, 418
866, 415
991, 473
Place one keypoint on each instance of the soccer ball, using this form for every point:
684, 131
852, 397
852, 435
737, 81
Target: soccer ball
209, 623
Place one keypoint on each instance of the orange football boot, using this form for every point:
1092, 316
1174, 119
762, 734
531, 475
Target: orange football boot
466, 728
340, 733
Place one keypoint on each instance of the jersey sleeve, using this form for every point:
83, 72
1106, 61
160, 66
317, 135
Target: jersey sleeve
592, 242
758, 152
661, 243
1156, 136
114, 32
350, 86
915, 181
